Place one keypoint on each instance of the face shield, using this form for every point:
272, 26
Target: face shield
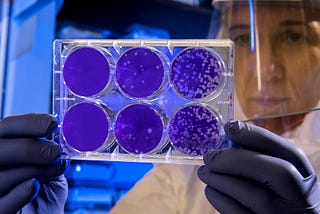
277, 58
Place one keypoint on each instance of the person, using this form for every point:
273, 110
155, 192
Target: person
281, 42
276, 72
277, 64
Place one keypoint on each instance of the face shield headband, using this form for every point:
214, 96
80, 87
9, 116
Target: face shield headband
277, 59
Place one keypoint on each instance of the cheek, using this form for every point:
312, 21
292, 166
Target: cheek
311, 85
303, 86
241, 76
241, 84
304, 75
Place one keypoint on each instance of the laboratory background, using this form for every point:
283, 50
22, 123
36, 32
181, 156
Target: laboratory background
27, 31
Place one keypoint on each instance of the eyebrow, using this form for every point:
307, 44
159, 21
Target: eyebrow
240, 26
292, 23
286, 23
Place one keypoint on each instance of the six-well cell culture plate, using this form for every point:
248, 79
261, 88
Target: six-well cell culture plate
142, 100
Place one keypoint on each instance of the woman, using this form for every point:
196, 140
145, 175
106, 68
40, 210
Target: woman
277, 70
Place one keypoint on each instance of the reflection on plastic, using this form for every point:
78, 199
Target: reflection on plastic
142, 84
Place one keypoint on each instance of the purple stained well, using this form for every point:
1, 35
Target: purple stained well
139, 129
86, 72
194, 130
140, 72
85, 127
196, 73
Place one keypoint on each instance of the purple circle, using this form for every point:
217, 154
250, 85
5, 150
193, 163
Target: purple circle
139, 129
85, 127
196, 73
194, 130
140, 72
86, 72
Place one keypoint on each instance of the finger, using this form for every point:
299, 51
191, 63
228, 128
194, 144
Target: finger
261, 140
242, 193
50, 189
19, 196
28, 151
272, 172
52, 194
27, 125
10, 178
223, 203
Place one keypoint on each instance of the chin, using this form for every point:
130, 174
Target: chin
280, 125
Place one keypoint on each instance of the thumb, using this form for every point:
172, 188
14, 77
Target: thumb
19, 196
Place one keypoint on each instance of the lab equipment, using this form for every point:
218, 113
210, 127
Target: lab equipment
143, 92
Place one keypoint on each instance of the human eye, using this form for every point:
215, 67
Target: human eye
242, 40
293, 37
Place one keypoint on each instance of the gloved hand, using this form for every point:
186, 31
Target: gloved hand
31, 170
266, 174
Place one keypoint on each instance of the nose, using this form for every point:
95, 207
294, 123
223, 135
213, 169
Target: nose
269, 61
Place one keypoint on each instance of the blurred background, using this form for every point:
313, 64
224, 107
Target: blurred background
27, 30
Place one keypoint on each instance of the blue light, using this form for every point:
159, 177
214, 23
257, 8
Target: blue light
252, 25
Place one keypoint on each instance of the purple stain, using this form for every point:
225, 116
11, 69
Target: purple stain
194, 130
85, 127
86, 72
139, 129
140, 72
196, 73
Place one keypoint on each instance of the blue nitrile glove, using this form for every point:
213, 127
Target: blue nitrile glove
31, 172
266, 174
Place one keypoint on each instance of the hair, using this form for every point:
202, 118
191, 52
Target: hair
218, 25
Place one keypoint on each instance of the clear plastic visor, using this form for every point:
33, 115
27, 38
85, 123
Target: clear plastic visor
277, 59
